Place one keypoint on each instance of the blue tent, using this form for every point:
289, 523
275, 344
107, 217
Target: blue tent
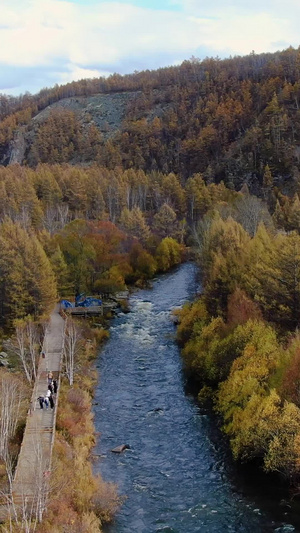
89, 301
80, 298
66, 303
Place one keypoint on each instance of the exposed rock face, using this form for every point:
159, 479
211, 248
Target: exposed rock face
18, 148
106, 111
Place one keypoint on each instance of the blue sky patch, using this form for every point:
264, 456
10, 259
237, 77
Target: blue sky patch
166, 5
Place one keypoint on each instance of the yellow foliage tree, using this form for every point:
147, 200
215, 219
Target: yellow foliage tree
168, 254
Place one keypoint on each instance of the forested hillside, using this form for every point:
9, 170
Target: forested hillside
227, 119
115, 179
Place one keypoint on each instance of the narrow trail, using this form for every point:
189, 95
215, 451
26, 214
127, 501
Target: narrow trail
29, 488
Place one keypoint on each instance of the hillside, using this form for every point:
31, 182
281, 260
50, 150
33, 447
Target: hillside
227, 119
106, 112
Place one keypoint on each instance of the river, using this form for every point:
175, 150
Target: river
177, 475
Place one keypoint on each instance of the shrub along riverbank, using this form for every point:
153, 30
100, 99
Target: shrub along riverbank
239, 341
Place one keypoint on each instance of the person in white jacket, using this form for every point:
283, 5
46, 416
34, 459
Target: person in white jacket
49, 398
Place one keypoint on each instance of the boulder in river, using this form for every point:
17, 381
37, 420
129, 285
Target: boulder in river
121, 448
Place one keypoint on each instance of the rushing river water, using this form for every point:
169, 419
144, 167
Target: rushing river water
177, 475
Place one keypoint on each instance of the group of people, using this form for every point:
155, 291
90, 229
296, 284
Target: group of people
48, 398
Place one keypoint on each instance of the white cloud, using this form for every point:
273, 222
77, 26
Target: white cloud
241, 36
76, 73
110, 36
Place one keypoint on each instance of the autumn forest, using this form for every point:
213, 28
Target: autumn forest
202, 163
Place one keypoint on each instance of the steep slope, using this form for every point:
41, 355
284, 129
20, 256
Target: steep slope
106, 112
234, 120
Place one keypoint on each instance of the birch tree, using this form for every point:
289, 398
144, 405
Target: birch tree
33, 343
25, 512
26, 344
11, 395
72, 345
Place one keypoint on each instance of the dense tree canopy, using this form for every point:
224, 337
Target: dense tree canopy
235, 120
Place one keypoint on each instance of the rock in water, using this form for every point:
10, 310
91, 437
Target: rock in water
121, 448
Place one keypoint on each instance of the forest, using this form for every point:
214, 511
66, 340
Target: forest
205, 165
67, 230
240, 339
228, 119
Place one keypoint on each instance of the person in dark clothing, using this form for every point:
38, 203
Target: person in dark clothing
54, 386
50, 387
51, 401
41, 400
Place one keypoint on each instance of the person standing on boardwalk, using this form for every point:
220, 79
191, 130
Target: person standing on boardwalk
41, 400
46, 399
50, 398
51, 401
50, 377
55, 386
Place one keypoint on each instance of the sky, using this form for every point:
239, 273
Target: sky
44, 42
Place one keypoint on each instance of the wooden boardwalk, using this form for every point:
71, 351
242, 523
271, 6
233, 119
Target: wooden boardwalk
30, 484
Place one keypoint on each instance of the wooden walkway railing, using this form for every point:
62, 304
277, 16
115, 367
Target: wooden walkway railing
30, 484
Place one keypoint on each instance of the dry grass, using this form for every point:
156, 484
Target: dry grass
101, 335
